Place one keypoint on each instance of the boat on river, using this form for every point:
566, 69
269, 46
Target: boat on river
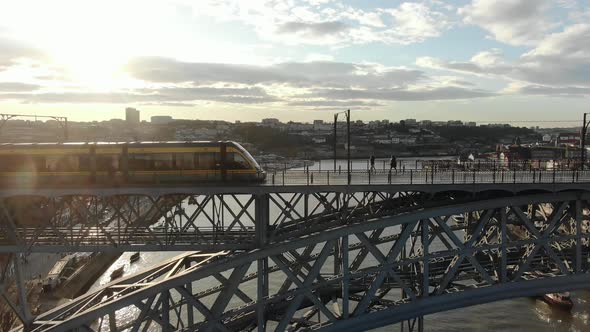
560, 300
134, 258
117, 273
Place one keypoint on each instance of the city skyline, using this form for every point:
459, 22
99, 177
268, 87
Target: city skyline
480, 60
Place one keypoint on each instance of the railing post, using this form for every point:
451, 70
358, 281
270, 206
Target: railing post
307, 176
573, 176
514, 176
553, 173
328, 177
369, 176
411, 177
283, 178
453, 176
473, 176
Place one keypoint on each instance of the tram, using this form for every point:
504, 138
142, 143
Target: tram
109, 163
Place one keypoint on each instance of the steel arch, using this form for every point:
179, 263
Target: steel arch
488, 264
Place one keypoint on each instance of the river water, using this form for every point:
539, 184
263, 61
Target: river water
521, 314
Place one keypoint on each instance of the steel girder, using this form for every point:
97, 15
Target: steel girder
186, 221
361, 274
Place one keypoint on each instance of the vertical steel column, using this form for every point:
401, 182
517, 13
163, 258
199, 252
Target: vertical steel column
165, 299
425, 258
583, 141
345, 278
262, 204
503, 260
189, 308
21, 286
578, 235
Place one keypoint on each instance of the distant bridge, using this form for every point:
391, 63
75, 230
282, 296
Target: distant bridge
386, 248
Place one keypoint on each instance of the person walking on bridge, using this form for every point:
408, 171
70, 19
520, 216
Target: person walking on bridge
392, 163
372, 161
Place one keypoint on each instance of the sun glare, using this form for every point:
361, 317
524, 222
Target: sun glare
88, 41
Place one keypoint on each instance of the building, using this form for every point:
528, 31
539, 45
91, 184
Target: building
161, 119
271, 122
547, 138
411, 122
569, 139
471, 124
132, 116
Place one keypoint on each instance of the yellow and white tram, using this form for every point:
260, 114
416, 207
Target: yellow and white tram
105, 163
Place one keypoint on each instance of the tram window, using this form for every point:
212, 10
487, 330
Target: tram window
140, 162
236, 161
62, 163
84, 163
207, 160
17, 163
185, 161
162, 161
107, 162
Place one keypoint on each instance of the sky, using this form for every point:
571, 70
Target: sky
297, 60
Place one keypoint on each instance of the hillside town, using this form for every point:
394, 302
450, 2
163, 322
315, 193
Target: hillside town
271, 139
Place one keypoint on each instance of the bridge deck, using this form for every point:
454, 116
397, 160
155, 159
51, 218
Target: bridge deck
314, 181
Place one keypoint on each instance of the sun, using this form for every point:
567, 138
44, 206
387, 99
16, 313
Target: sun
88, 41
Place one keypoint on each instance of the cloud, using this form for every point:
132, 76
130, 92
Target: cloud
332, 103
12, 50
296, 74
253, 95
330, 22
442, 93
559, 59
567, 91
312, 29
515, 22
414, 23
17, 87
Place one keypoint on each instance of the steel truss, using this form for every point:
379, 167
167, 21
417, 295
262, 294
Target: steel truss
353, 273
176, 222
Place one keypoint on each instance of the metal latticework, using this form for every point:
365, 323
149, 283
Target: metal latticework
322, 259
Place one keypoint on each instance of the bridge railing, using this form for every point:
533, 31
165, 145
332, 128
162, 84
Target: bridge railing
426, 176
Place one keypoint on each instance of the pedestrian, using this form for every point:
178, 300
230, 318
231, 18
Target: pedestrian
372, 160
392, 163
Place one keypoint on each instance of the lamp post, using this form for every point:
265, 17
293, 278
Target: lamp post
583, 140
347, 113
335, 127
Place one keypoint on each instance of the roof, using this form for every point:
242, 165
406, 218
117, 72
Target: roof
77, 145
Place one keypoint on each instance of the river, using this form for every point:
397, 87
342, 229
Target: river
521, 314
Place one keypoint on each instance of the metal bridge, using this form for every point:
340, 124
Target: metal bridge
313, 250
